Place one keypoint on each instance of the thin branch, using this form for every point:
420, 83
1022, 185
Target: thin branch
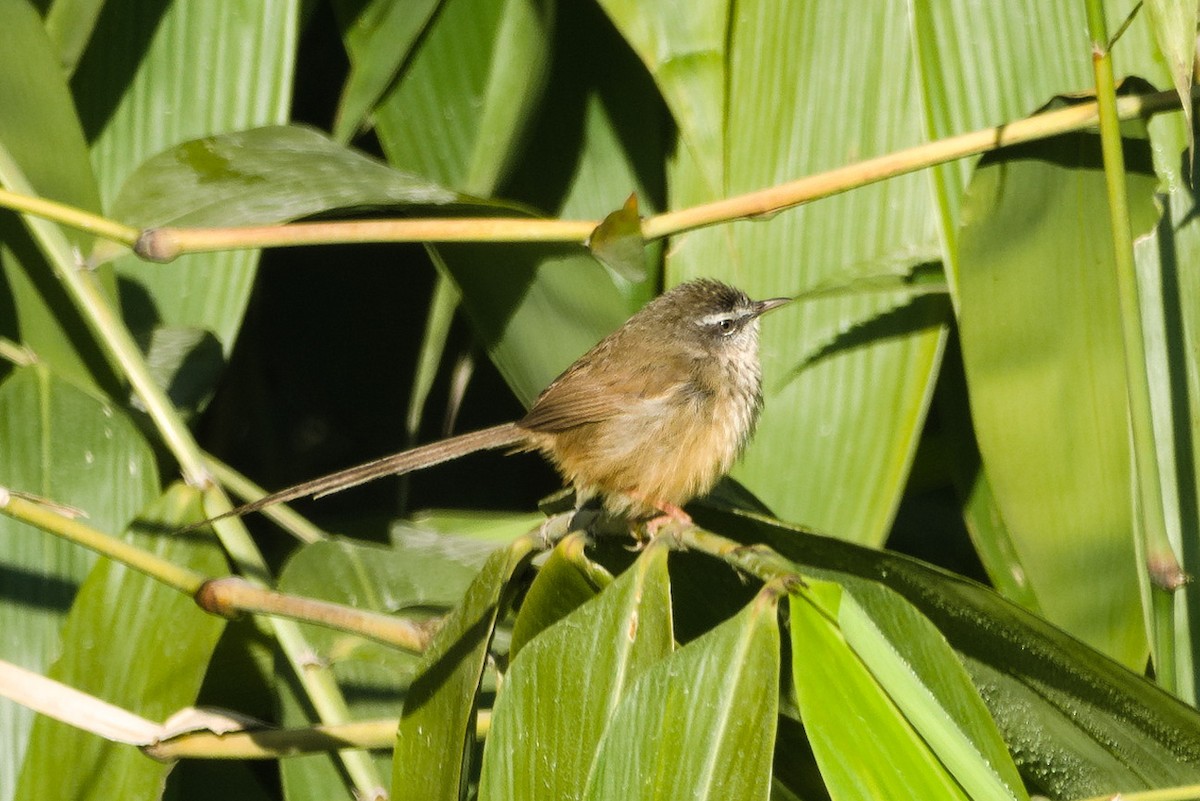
226, 596
166, 243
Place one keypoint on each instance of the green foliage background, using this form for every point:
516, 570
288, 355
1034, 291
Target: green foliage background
953, 386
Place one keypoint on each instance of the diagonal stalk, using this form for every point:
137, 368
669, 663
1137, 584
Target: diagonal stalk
1161, 562
119, 347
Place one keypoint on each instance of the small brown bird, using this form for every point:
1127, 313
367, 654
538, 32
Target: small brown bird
648, 419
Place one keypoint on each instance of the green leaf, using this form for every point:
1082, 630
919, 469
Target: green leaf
436, 733
150, 80
264, 176
618, 242
915, 667
378, 40
965, 90
701, 723
63, 444
570, 679
1174, 23
373, 677
187, 363
42, 151
1042, 345
474, 533
686, 54
457, 110
133, 642
863, 743
563, 583
1077, 723
596, 139
69, 24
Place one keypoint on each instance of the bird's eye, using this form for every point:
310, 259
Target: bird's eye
725, 324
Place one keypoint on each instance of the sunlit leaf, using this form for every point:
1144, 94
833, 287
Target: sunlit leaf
562, 585
920, 674
701, 723
1042, 344
1077, 723
561, 691
863, 743
435, 738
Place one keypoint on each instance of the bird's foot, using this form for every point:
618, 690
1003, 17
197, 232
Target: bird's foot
670, 514
670, 523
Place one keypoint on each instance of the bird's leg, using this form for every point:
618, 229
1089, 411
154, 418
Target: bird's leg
670, 514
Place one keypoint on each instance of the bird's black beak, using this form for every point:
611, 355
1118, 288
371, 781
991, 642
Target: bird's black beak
761, 307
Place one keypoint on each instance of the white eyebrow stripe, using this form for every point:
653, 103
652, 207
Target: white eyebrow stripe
713, 319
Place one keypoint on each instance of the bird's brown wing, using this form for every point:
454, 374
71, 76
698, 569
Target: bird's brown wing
589, 394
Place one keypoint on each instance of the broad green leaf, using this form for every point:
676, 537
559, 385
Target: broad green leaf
463, 100
379, 35
981, 514
966, 88
65, 445
152, 79
43, 152
436, 734
1077, 723
863, 743
1032, 53
967, 85
701, 723
1042, 346
595, 139
915, 667
374, 678
846, 378
683, 44
561, 691
263, 176
563, 583
133, 642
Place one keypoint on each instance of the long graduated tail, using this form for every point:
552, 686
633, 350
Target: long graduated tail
501, 436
